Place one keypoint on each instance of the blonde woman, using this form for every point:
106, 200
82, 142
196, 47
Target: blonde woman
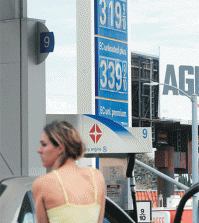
68, 193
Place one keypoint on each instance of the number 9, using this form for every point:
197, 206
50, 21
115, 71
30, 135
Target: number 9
144, 133
47, 41
118, 14
118, 76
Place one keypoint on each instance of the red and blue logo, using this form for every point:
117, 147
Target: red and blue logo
95, 133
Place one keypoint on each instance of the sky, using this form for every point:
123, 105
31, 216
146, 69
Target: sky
153, 23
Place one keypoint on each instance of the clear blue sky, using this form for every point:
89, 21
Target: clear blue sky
154, 23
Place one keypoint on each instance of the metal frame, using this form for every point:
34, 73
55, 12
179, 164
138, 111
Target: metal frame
144, 69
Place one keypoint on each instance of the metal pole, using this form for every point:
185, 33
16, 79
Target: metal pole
194, 148
195, 155
164, 176
130, 175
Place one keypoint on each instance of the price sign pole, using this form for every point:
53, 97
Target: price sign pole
111, 66
102, 59
111, 60
103, 69
103, 62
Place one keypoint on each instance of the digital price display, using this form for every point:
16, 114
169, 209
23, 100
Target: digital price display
111, 69
111, 18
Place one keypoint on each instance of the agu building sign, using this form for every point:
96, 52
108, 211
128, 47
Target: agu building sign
178, 67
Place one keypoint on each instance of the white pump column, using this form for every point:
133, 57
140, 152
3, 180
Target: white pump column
22, 92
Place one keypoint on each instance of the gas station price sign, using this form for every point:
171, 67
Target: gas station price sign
111, 69
111, 18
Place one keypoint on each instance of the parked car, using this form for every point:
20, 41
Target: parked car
17, 204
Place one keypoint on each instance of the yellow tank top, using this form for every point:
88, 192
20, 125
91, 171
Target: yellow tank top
70, 213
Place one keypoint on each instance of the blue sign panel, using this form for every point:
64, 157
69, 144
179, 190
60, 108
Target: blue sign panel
116, 111
111, 18
111, 69
46, 42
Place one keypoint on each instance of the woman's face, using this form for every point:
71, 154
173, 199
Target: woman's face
49, 153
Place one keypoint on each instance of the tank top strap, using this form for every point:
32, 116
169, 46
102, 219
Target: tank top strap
64, 191
94, 182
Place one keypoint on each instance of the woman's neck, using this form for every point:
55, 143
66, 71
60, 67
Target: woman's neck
69, 164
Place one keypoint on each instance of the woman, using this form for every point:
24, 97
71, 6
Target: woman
68, 193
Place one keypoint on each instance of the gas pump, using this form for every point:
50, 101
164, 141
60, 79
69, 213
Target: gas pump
130, 174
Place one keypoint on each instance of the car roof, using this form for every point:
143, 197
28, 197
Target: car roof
22, 181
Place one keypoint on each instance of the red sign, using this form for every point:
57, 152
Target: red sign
187, 216
162, 216
95, 133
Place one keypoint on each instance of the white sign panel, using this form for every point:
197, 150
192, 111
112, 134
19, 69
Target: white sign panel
178, 67
102, 135
161, 216
144, 210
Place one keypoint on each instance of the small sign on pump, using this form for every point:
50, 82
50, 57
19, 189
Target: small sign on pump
45, 42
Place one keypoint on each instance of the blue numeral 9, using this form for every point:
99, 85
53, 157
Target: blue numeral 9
144, 133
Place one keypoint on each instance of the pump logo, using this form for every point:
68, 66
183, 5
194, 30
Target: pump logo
95, 133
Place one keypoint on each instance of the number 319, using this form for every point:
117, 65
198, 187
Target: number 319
112, 14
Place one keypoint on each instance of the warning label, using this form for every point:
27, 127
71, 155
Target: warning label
113, 190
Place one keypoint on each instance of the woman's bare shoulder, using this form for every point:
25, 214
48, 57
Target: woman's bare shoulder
44, 179
97, 173
99, 176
